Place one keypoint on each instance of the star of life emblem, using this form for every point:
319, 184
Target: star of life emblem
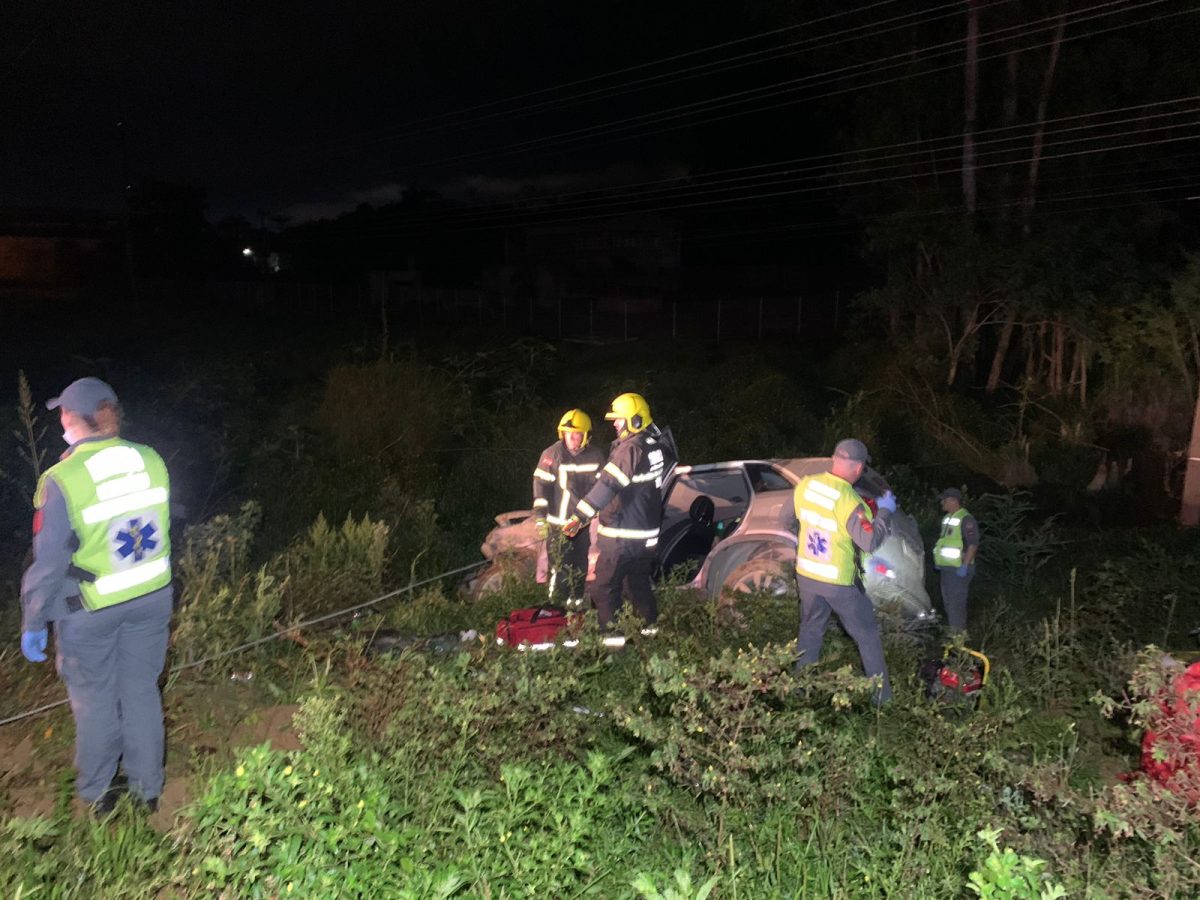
135, 539
818, 545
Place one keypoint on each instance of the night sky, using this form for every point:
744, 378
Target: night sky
305, 110
308, 108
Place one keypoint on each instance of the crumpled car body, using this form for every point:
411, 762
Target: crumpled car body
731, 527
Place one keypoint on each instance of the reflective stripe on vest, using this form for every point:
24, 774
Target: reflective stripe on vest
117, 496
824, 550
948, 551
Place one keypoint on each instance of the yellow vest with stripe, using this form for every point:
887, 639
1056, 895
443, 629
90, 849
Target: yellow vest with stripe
825, 551
118, 502
948, 551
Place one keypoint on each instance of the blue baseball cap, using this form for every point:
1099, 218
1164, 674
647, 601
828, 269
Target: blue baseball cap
83, 397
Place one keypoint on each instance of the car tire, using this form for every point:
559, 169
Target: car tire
764, 574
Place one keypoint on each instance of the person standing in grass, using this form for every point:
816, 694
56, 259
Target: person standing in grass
565, 472
627, 502
954, 556
835, 527
101, 575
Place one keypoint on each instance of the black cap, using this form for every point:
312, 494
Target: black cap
951, 494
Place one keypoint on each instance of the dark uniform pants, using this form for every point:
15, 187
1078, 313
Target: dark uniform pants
817, 602
110, 660
568, 565
954, 597
620, 564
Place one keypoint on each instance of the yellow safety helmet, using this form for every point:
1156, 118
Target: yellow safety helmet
578, 421
634, 409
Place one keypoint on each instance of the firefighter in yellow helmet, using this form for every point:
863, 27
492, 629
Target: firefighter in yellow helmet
627, 500
566, 471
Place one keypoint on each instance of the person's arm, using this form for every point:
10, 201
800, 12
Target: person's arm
45, 584
868, 534
970, 533
615, 476
544, 477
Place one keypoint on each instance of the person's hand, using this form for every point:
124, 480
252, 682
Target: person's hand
543, 529
33, 645
572, 526
887, 501
964, 570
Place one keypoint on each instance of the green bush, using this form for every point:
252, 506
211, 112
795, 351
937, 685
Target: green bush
1006, 875
333, 568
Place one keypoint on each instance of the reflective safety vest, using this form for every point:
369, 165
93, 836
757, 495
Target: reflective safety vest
118, 501
825, 551
948, 551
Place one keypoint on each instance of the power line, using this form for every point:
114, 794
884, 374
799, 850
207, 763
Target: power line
863, 183
824, 225
872, 29
922, 155
919, 149
466, 220
648, 64
888, 81
788, 86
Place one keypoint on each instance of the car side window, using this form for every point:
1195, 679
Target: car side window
764, 478
727, 488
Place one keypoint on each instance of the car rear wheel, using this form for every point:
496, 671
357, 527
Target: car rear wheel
764, 575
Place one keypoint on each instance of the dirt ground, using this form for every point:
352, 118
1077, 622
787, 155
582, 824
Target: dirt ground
206, 722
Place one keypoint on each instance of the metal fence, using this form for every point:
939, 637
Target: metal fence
412, 309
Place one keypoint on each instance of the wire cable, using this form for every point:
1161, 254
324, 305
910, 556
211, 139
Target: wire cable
484, 222
183, 667
919, 150
846, 73
933, 154
871, 29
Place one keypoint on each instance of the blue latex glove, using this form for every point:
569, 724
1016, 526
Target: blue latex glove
964, 570
33, 645
887, 501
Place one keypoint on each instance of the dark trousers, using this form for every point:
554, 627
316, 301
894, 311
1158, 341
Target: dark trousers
817, 602
620, 564
954, 597
568, 562
110, 660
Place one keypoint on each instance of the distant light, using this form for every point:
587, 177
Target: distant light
247, 252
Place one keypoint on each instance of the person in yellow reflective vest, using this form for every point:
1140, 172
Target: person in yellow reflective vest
954, 557
101, 574
565, 472
835, 526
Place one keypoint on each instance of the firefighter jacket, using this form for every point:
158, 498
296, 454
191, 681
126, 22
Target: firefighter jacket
560, 479
836, 525
118, 501
627, 496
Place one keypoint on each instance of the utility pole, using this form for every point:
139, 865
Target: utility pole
1189, 509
